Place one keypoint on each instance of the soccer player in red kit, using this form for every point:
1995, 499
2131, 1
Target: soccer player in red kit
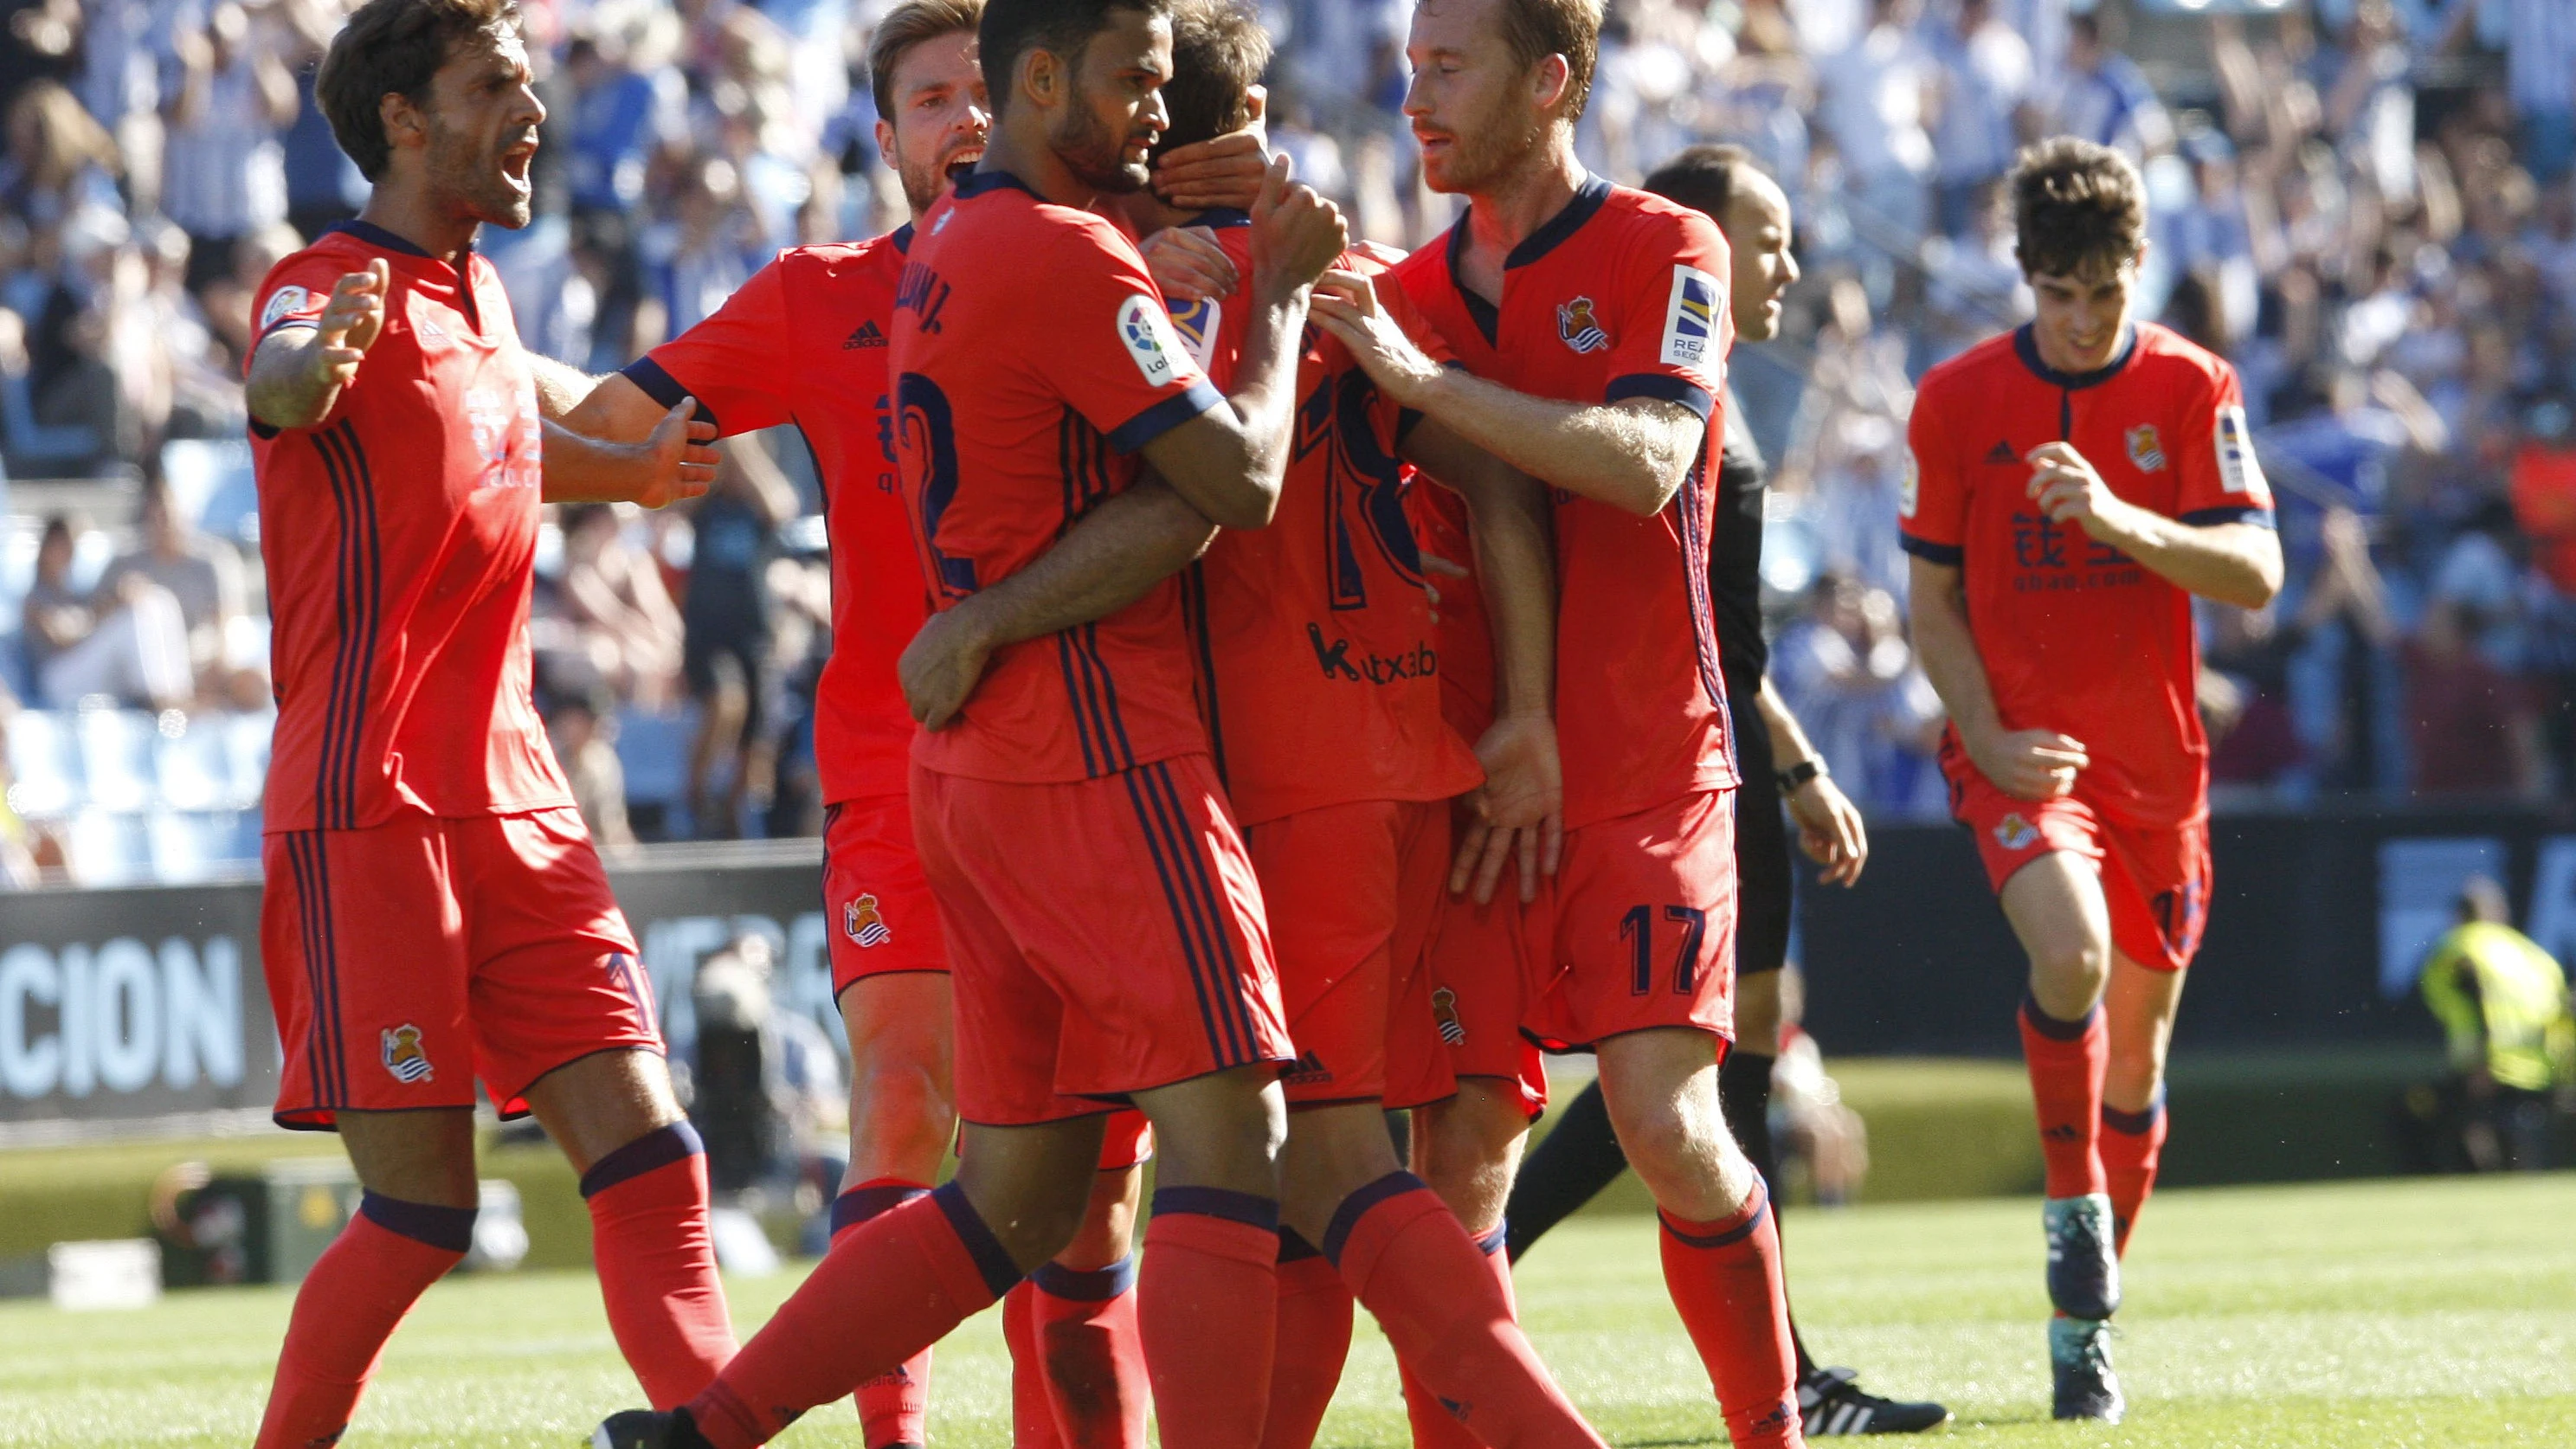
2074, 483
806, 341
433, 910
1080, 772
1594, 325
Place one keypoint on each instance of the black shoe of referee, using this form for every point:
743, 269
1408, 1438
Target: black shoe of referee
1831, 1402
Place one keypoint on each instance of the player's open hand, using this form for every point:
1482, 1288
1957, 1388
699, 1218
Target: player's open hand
1225, 171
1518, 814
942, 665
2031, 764
1830, 829
678, 462
350, 324
2068, 490
1296, 234
1345, 306
1189, 264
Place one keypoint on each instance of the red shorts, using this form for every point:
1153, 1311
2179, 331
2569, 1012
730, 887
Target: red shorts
1479, 963
2156, 882
406, 960
1351, 891
875, 899
1105, 937
1643, 927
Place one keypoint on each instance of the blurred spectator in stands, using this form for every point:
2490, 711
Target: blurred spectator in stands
60, 160
2475, 728
2502, 1002
730, 620
31, 447
2102, 96
628, 102
1846, 671
1873, 103
1983, 113
582, 723
223, 173
126, 640
323, 185
765, 1081
17, 839
225, 301
712, 244
2245, 700
611, 592
39, 40
2538, 41
203, 574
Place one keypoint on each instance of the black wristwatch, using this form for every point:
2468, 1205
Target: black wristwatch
1799, 774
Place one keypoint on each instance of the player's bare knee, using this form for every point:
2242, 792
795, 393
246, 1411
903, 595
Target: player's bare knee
2068, 977
1332, 1152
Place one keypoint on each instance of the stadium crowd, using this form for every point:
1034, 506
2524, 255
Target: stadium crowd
2366, 204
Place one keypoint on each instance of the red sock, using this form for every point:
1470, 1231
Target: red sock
1090, 1354
657, 1264
1032, 1414
887, 1290
349, 1305
1314, 1340
1208, 1307
1434, 1425
894, 1407
1405, 1257
2066, 1060
2131, 1144
1725, 1278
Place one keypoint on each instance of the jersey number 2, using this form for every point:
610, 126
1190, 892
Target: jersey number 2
1637, 928
929, 428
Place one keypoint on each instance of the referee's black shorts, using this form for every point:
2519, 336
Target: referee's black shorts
1763, 898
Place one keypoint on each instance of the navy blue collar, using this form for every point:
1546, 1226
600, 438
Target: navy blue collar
1221, 218
979, 183
2026, 345
903, 240
376, 236
1588, 200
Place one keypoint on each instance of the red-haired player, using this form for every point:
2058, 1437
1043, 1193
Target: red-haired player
2074, 483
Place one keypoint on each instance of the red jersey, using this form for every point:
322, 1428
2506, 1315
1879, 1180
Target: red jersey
1317, 667
400, 536
2075, 636
1032, 358
805, 341
1622, 295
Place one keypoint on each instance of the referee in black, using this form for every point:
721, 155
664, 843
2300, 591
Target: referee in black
1581, 1155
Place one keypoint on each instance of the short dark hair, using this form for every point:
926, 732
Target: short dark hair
1013, 28
908, 24
1703, 179
1219, 52
1537, 29
2076, 206
393, 47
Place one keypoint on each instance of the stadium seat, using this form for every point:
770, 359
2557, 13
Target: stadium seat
45, 764
193, 768
111, 848
212, 482
654, 748
117, 747
246, 740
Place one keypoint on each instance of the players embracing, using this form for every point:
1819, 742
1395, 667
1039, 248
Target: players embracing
2074, 483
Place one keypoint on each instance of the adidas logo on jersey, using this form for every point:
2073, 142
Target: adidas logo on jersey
1308, 1070
2002, 454
866, 336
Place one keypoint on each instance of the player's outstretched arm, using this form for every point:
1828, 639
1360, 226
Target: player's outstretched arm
1518, 814
1632, 454
2234, 563
1228, 461
297, 373
675, 461
1830, 829
1107, 561
615, 410
562, 387
2036, 764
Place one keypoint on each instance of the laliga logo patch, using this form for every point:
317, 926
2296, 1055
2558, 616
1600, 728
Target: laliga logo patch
1690, 319
1444, 1010
1198, 323
403, 1055
1577, 325
1909, 493
283, 303
2238, 470
2015, 833
2146, 448
1146, 332
862, 923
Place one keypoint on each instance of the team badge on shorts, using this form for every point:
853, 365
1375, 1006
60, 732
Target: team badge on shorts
1444, 1010
403, 1055
2015, 833
863, 923
2147, 448
1580, 329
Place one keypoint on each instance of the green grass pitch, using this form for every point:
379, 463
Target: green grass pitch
2439, 1314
